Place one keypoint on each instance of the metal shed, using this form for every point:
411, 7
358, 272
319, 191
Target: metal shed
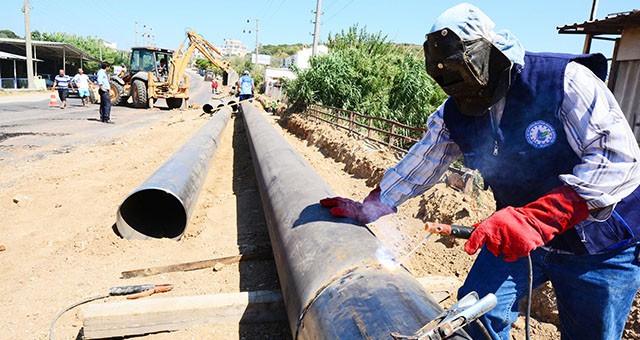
13, 58
52, 55
624, 77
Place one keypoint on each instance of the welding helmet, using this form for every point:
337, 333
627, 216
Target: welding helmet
473, 72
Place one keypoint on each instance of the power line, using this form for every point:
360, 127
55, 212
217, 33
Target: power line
331, 5
338, 12
276, 11
264, 13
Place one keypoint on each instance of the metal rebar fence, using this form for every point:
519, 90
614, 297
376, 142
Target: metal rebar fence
395, 135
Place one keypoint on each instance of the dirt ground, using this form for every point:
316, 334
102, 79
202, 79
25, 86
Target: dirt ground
59, 212
60, 245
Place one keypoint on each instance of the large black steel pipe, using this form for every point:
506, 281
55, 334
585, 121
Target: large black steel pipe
162, 204
331, 270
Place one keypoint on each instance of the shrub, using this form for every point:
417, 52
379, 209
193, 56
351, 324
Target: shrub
366, 73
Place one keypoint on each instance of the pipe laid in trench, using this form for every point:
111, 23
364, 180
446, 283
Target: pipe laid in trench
330, 270
161, 206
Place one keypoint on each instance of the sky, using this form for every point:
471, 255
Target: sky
289, 21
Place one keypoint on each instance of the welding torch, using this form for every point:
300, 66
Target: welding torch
457, 231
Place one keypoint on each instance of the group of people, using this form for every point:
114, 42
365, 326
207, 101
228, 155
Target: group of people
63, 83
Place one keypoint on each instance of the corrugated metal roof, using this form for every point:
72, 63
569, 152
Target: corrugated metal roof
71, 51
611, 24
5, 55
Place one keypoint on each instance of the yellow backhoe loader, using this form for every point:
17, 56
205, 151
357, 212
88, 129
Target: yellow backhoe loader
160, 73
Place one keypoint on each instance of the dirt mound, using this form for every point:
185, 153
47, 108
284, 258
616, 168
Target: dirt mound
361, 158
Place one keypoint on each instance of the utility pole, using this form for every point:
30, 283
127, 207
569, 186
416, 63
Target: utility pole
257, 29
586, 48
27, 35
316, 30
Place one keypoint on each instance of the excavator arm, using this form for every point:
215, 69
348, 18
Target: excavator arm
181, 59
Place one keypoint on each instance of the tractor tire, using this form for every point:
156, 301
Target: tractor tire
139, 94
115, 92
174, 103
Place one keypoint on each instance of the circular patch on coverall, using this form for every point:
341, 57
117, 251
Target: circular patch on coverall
540, 134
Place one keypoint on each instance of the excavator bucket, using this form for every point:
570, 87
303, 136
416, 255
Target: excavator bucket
230, 78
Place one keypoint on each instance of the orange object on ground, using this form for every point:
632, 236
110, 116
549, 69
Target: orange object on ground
53, 101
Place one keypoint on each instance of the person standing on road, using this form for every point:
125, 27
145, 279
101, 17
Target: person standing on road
62, 83
105, 98
214, 86
82, 83
551, 142
246, 86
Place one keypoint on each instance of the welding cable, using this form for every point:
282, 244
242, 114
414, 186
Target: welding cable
527, 320
83, 301
483, 330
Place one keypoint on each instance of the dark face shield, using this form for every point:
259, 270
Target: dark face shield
474, 72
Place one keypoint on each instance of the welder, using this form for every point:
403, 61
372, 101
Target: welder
550, 140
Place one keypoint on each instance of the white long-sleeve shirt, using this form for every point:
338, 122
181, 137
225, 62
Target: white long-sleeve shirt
596, 130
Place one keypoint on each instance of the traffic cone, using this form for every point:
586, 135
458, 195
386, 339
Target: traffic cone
53, 101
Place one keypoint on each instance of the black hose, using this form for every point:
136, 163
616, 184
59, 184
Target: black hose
527, 320
483, 330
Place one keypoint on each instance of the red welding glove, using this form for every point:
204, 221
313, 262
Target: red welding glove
368, 211
515, 232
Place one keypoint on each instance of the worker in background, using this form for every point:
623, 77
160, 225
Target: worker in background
121, 71
62, 83
163, 71
551, 142
245, 86
214, 85
103, 90
82, 82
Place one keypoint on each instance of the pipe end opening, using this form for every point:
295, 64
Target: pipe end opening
154, 213
233, 105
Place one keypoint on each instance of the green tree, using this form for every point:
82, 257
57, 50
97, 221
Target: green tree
203, 64
8, 34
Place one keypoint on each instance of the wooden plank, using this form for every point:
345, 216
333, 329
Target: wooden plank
187, 266
135, 317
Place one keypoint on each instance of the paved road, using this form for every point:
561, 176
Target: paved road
30, 128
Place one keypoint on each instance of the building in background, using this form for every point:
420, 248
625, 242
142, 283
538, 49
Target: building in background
48, 58
301, 59
233, 47
273, 81
263, 59
108, 44
624, 75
